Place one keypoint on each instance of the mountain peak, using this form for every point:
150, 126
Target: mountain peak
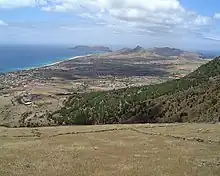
137, 49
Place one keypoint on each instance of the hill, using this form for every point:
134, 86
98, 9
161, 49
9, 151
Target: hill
124, 50
163, 52
111, 150
47, 87
166, 51
193, 98
170, 52
137, 49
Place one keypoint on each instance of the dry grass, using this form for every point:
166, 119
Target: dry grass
206, 132
110, 150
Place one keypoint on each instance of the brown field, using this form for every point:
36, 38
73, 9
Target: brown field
160, 150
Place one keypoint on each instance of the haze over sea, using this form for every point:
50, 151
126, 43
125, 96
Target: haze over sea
20, 57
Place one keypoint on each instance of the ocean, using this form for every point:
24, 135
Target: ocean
20, 57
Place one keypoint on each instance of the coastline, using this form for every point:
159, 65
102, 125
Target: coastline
46, 65
58, 62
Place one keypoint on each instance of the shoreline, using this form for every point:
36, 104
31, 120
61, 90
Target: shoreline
46, 65
58, 62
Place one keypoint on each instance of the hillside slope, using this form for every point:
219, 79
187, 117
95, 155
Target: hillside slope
193, 98
166, 51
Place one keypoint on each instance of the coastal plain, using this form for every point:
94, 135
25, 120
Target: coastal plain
32, 98
27, 96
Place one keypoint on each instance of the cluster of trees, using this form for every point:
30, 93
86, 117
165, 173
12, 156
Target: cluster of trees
192, 98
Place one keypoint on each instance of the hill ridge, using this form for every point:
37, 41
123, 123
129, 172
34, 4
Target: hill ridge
185, 100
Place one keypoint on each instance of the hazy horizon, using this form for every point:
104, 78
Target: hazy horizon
113, 47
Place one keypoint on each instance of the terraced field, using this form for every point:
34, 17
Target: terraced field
149, 149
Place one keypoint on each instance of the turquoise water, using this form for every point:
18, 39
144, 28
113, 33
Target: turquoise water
19, 57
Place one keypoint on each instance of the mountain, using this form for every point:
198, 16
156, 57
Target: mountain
166, 51
169, 52
94, 48
124, 51
194, 98
137, 49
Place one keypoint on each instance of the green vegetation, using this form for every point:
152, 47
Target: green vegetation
194, 98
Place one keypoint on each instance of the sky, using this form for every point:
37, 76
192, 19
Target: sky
187, 24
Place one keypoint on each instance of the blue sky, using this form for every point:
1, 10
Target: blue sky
187, 24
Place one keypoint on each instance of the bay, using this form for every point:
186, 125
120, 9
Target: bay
20, 57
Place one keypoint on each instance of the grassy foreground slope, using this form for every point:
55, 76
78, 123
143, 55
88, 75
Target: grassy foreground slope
194, 98
111, 150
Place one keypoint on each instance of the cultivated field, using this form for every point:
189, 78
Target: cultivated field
161, 150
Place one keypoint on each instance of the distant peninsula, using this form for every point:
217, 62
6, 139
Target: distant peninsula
93, 48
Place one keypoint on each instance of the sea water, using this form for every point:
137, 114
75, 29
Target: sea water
20, 57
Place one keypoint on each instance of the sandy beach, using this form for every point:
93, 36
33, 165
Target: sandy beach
72, 58
54, 63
